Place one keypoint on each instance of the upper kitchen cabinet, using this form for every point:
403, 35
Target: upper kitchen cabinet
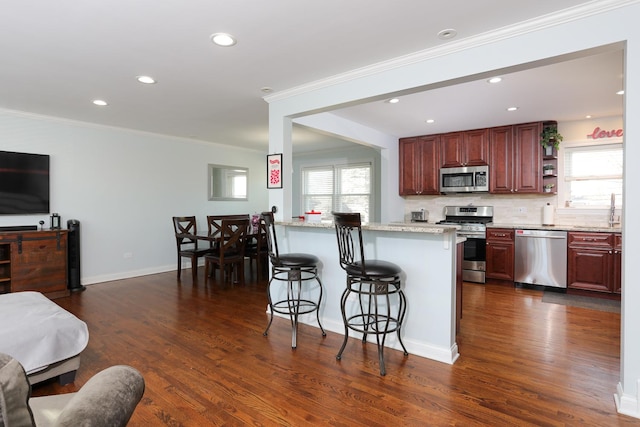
516, 159
501, 154
468, 148
419, 168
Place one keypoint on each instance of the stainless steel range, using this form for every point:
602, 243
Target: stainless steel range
473, 221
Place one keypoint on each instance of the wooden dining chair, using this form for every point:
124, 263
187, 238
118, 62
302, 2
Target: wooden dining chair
230, 236
187, 244
258, 250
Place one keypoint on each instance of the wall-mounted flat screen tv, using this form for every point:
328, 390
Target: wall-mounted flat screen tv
24, 183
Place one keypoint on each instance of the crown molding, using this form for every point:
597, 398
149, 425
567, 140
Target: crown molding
592, 8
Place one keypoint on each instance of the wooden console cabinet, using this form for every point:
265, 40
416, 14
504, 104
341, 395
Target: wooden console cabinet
34, 261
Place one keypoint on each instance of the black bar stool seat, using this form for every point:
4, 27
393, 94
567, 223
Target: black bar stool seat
296, 269
381, 303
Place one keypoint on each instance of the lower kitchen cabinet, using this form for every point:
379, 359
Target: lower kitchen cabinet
594, 261
500, 253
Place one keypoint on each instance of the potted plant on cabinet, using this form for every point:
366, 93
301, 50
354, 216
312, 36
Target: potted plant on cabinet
548, 187
548, 169
550, 138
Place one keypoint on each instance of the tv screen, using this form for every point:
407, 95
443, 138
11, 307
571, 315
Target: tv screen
24, 183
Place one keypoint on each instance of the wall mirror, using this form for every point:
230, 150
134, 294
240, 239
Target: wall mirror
228, 182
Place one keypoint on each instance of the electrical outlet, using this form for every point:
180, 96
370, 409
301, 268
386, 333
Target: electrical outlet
522, 210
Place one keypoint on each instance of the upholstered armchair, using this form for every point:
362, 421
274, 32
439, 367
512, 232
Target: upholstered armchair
107, 399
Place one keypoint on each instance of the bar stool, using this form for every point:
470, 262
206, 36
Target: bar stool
295, 269
376, 284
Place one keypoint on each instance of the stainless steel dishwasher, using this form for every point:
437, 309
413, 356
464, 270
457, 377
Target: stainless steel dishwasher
541, 258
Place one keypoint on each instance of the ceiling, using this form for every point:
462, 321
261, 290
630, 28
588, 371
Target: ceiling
58, 56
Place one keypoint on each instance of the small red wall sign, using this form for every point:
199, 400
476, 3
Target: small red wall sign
600, 133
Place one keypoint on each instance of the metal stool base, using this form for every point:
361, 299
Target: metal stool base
294, 305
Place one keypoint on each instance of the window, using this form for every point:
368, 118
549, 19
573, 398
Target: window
592, 174
339, 188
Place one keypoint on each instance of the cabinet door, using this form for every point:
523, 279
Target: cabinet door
451, 150
39, 263
528, 158
475, 150
500, 249
410, 157
501, 159
429, 169
589, 269
419, 171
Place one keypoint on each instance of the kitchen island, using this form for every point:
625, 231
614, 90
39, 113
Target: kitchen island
427, 255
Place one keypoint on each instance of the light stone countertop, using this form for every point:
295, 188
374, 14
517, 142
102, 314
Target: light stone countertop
593, 229
409, 227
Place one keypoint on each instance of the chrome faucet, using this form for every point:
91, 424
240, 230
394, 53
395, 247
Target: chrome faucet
612, 212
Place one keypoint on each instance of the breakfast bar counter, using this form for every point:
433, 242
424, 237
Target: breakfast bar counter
427, 255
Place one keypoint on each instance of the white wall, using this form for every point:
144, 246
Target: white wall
124, 187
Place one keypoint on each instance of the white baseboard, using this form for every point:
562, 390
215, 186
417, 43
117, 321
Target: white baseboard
628, 404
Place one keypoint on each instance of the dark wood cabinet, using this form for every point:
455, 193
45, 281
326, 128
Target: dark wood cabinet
515, 157
594, 261
502, 158
528, 157
469, 148
500, 252
419, 169
34, 261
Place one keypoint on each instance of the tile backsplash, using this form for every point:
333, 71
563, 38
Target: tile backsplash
520, 210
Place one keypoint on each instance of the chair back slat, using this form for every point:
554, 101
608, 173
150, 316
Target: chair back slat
349, 235
272, 240
233, 236
185, 226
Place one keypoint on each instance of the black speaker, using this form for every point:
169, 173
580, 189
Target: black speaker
73, 253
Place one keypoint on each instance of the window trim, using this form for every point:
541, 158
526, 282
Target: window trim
332, 163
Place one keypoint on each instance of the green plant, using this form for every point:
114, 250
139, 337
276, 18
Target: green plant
548, 167
550, 136
549, 186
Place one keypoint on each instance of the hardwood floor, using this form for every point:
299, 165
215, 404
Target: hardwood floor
205, 361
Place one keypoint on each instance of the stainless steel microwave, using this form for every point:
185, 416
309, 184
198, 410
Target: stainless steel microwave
467, 179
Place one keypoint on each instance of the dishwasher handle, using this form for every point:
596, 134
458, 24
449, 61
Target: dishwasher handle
533, 236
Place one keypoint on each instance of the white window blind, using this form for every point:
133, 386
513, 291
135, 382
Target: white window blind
592, 174
339, 188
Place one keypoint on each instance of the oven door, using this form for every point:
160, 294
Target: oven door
474, 260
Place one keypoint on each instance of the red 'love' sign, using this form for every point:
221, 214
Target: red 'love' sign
599, 133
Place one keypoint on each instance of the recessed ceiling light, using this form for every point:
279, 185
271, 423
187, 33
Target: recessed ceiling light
146, 80
100, 102
512, 108
447, 34
266, 89
495, 80
223, 39
588, 116
620, 92
430, 121
393, 101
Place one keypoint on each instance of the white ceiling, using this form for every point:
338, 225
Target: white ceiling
57, 56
